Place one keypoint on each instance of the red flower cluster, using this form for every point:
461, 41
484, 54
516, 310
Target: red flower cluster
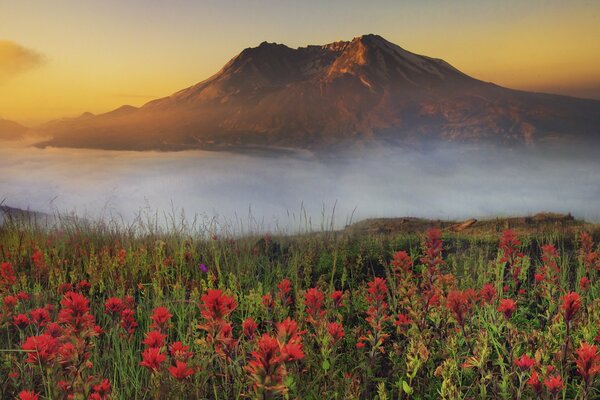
588, 362
571, 303
507, 307
313, 300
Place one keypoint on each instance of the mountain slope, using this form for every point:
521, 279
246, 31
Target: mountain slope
340, 94
10, 130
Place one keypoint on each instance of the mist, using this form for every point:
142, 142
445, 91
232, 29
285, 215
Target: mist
290, 192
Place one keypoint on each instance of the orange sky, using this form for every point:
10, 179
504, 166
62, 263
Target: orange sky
65, 57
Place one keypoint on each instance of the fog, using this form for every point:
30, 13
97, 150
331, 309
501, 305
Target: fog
286, 192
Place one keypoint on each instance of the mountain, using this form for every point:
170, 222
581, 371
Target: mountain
10, 130
352, 93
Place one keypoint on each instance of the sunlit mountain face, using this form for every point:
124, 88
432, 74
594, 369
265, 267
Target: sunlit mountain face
343, 95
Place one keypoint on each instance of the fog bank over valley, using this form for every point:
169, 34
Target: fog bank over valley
446, 181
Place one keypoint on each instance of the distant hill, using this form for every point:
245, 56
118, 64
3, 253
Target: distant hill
349, 93
10, 130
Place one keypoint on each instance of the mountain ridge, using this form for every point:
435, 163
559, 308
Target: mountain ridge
322, 97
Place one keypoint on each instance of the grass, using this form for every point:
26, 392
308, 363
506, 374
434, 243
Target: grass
435, 355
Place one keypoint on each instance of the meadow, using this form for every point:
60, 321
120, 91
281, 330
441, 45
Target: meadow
99, 312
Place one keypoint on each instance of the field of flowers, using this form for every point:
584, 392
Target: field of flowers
99, 314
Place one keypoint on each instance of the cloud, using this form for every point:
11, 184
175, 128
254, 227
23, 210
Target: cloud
15, 59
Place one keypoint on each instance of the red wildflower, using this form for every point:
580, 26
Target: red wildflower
459, 303
38, 259
40, 316
22, 296
7, 275
10, 302
336, 331
160, 318
113, 306
102, 390
180, 370
128, 321
267, 301
154, 339
402, 262
292, 351
525, 362
216, 305
53, 329
535, 383
180, 352
75, 310
313, 300
584, 283
249, 327
67, 353
538, 278
21, 321
84, 286
152, 358
64, 288
266, 368
360, 345
338, 297
571, 303
28, 395
487, 293
225, 340
507, 307
588, 362
554, 383
287, 331
41, 349
403, 320
432, 249
377, 291
284, 289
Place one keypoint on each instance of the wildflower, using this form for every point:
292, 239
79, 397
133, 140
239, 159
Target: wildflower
360, 345
40, 316
152, 358
54, 330
64, 288
38, 260
160, 318
180, 352
266, 368
459, 304
287, 331
507, 307
292, 351
313, 300
584, 283
154, 339
403, 320
75, 309
402, 262
535, 383
338, 297
588, 362
180, 370
284, 288
487, 293
113, 305
539, 278
102, 390
22, 296
216, 305
41, 349
28, 395
524, 362
128, 321
432, 248
67, 353
225, 341
336, 331
267, 301
7, 275
21, 321
203, 268
377, 290
554, 383
571, 303
10, 302
249, 327
84, 286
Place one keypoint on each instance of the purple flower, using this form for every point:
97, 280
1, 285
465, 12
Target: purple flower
203, 268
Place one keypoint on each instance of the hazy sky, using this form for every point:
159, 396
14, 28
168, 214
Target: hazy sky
63, 57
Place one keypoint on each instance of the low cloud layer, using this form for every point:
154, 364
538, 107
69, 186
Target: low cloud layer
15, 59
449, 182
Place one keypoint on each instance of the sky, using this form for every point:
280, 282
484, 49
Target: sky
62, 58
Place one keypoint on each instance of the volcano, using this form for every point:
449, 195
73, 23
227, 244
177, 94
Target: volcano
343, 94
